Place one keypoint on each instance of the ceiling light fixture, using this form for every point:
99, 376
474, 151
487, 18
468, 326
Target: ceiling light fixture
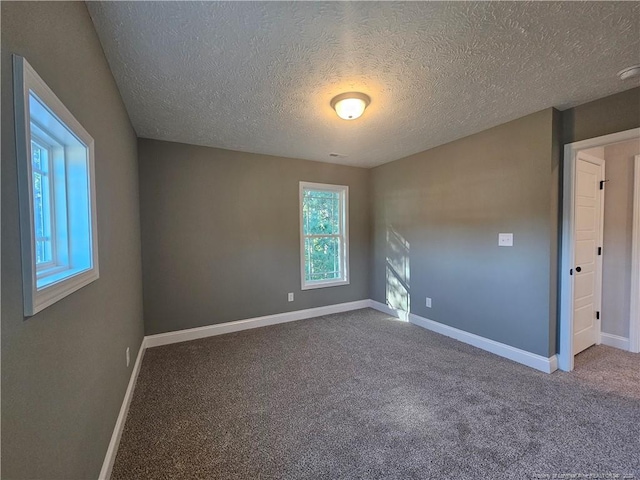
629, 72
350, 106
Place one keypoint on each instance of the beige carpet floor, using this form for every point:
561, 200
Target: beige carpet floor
360, 395
609, 369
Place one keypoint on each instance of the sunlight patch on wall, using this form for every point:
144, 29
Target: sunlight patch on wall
398, 274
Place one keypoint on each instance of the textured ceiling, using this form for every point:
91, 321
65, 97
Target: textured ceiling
259, 76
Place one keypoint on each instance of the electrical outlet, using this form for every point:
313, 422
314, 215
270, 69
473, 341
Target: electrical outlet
505, 239
428, 303
290, 297
128, 357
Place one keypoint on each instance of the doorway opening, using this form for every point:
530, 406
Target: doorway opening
600, 255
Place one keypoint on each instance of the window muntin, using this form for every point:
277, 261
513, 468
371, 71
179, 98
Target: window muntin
324, 235
57, 194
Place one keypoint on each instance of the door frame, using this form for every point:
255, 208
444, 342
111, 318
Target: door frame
634, 314
565, 317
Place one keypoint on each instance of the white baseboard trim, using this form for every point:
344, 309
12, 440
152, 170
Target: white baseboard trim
615, 341
229, 327
112, 450
544, 364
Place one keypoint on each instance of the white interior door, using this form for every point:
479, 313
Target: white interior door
587, 270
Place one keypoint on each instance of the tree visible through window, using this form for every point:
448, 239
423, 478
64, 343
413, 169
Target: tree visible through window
40, 159
324, 235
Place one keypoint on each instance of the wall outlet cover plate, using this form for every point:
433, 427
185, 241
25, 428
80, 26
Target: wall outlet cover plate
505, 239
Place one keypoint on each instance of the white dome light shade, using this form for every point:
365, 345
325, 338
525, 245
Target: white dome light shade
629, 72
350, 106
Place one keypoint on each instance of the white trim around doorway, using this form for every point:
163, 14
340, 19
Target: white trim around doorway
634, 314
565, 354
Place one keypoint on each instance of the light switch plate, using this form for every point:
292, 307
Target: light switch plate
505, 239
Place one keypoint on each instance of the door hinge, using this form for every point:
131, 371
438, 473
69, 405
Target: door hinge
599, 250
597, 315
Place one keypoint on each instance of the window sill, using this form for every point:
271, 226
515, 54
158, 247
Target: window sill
324, 284
57, 274
59, 286
47, 276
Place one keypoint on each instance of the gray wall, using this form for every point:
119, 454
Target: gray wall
437, 215
220, 231
63, 371
611, 114
618, 227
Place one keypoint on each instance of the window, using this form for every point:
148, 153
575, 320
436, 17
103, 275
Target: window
324, 235
57, 193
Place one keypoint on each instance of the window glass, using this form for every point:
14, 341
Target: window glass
42, 203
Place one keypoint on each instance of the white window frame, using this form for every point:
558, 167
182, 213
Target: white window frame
60, 280
343, 190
